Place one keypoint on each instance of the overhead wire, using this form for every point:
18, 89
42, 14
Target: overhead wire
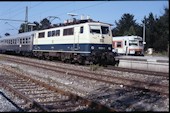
45, 11
101, 3
11, 9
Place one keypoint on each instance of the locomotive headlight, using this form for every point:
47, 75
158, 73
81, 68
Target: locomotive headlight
109, 48
92, 47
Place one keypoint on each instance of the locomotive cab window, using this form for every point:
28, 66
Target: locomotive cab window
95, 29
105, 30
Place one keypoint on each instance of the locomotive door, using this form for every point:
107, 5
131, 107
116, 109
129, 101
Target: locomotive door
76, 38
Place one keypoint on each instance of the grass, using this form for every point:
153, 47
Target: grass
96, 67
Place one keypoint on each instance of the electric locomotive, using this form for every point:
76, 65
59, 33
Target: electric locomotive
81, 41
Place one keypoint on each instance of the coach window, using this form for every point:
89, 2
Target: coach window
81, 29
17, 41
125, 42
21, 41
41, 35
57, 32
133, 43
49, 33
69, 31
119, 44
26, 40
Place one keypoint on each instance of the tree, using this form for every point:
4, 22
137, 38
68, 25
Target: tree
151, 33
126, 26
37, 27
45, 23
7, 34
157, 31
22, 28
162, 41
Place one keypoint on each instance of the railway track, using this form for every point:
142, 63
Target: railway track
139, 84
39, 96
159, 74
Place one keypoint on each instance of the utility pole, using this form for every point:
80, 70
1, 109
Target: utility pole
143, 32
26, 20
144, 35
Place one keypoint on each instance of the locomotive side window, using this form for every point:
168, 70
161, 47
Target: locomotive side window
41, 35
105, 30
57, 32
53, 33
81, 29
69, 31
49, 33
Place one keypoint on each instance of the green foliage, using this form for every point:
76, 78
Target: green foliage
96, 67
126, 26
22, 28
7, 34
45, 23
156, 29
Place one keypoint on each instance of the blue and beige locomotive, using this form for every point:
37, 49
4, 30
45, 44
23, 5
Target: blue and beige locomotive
81, 41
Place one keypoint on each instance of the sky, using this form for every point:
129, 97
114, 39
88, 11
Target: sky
104, 11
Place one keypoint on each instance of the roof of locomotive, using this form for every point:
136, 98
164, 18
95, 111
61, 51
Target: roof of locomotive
75, 22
